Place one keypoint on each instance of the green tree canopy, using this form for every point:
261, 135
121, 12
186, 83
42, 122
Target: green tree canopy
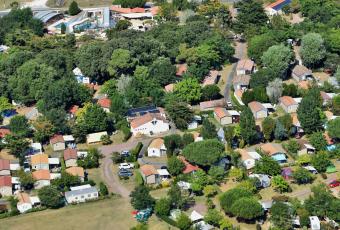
188, 90
268, 126
175, 166
247, 208
141, 198
281, 215
228, 198
318, 141
333, 128
73, 8
208, 130
19, 126
267, 165
313, 50
248, 126
50, 197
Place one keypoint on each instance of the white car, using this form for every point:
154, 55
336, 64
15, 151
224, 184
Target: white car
126, 166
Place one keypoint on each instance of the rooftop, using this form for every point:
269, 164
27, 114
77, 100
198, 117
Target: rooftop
42, 174
39, 159
245, 64
139, 121
156, 143
70, 154
287, 101
104, 102
5, 181
75, 171
56, 139
80, 192
256, 106
148, 170
4, 164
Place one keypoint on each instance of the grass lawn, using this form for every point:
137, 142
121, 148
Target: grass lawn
159, 193
95, 175
82, 3
108, 214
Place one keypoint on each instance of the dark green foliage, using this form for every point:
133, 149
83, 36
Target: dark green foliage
19, 126
66, 181
130, 3
213, 217
268, 126
333, 128
141, 198
91, 160
103, 189
26, 179
208, 130
258, 45
247, 208
318, 10
286, 121
318, 141
228, 198
50, 197
175, 196
179, 113
267, 165
258, 94
175, 166
122, 25
163, 71
280, 132
162, 207
210, 92
205, 153
187, 138
261, 78
290, 90
183, 222
217, 174
73, 8
281, 215
63, 28
248, 126
17, 146
172, 142
321, 161
302, 176
292, 146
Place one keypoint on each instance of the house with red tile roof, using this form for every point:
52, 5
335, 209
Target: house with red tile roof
301, 73
76, 171
149, 174
288, 104
105, 103
226, 117
169, 88
6, 185
4, 132
42, 178
70, 157
57, 142
238, 95
211, 105
245, 66
212, 78
189, 168
149, 124
258, 110
5, 169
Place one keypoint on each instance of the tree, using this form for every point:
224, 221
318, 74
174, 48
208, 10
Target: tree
73, 8
229, 134
290, 90
278, 58
287, 122
121, 63
213, 217
175, 196
172, 142
162, 71
210, 92
274, 90
65, 182
91, 160
258, 45
247, 208
63, 28
333, 128
26, 179
180, 114
321, 161
50, 197
183, 222
187, 138
141, 198
208, 130
168, 12
318, 141
268, 126
309, 114
93, 119
313, 50
175, 166
228, 198
281, 215
17, 146
122, 25
292, 146
267, 165
280, 184
103, 189
280, 133
236, 173
162, 207
216, 173
43, 129
303, 176
130, 3
5, 105
19, 126
188, 90
204, 153
248, 126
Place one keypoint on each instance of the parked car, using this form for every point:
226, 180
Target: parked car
126, 166
125, 173
125, 153
334, 183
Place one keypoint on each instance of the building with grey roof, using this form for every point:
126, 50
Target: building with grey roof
81, 195
48, 16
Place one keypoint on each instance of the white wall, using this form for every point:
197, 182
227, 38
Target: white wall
82, 198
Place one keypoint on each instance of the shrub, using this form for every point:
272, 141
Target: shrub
183, 222
162, 207
105, 139
213, 217
210, 190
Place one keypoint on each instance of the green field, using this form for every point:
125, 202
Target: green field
82, 3
107, 214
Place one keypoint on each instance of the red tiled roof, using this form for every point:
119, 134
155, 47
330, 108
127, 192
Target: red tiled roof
57, 138
73, 109
5, 181
127, 10
255, 106
329, 140
148, 170
42, 174
70, 154
245, 64
188, 167
211, 104
181, 69
220, 112
75, 171
104, 102
287, 100
4, 164
154, 10
4, 132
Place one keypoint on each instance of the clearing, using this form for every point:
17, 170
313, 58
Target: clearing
114, 213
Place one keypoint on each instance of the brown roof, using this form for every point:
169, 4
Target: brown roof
4, 132
272, 148
104, 102
255, 106
211, 104
300, 70
73, 109
39, 159
304, 84
245, 64
156, 143
42, 174
295, 119
56, 139
126, 10
169, 88
70, 154
196, 134
138, 121
287, 101
181, 69
329, 115
325, 96
221, 112
188, 167
23, 198
239, 93
148, 170
5, 181
211, 78
75, 171
4, 164
241, 79
244, 154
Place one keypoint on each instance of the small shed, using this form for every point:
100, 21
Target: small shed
93, 138
314, 223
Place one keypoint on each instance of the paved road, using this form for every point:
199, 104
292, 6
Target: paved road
240, 53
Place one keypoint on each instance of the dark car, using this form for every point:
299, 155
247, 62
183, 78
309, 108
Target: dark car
334, 183
125, 173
